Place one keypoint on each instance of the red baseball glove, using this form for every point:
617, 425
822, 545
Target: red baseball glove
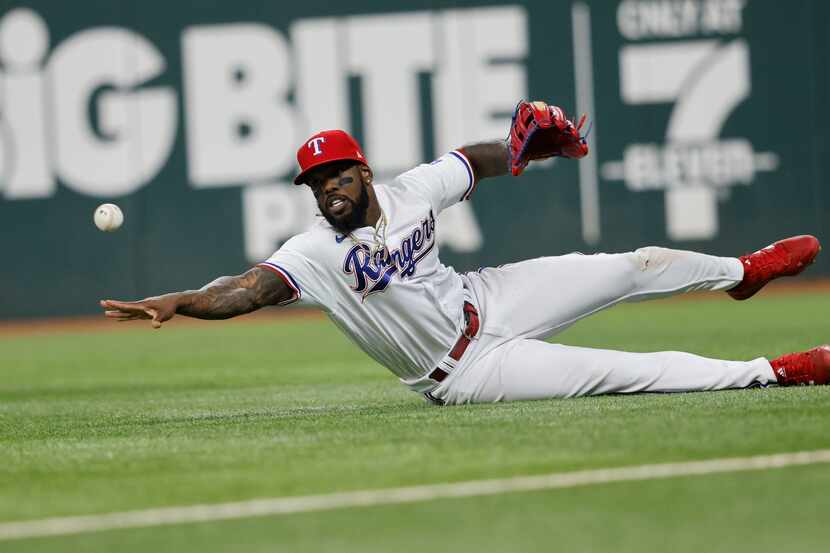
540, 131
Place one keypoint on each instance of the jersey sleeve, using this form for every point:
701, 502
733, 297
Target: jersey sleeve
445, 182
297, 271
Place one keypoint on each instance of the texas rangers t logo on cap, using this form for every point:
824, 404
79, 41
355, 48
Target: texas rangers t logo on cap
315, 143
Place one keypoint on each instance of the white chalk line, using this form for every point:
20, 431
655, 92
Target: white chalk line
368, 498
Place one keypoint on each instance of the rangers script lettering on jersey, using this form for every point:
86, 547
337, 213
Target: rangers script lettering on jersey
373, 270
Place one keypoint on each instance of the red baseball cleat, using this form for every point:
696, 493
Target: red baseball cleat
804, 368
786, 257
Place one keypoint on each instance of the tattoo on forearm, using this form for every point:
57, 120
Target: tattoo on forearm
229, 296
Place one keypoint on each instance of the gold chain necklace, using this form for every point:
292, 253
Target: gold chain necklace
378, 236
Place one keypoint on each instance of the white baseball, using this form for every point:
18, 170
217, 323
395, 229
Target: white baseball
108, 217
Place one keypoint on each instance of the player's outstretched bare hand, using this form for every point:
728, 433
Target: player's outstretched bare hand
158, 310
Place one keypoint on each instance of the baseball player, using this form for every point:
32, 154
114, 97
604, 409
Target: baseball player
371, 264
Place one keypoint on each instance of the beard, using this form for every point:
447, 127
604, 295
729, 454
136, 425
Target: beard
355, 218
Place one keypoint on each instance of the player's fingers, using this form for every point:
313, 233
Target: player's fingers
136, 309
118, 315
122, 305
135, 313
154, 314
124, 316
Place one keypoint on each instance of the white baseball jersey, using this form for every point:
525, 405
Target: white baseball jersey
404, 309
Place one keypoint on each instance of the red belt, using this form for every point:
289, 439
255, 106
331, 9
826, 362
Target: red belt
471, 319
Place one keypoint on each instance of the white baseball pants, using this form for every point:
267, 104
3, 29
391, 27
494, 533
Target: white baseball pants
522, 304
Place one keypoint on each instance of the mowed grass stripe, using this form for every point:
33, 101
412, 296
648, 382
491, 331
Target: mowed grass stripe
413, 494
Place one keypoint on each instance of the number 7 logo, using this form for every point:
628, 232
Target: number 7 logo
706, 81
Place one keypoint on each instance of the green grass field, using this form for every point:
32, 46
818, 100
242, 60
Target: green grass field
134, 418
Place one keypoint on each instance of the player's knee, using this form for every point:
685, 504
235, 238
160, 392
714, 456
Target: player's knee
653, 259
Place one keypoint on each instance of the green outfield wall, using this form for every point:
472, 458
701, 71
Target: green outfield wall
711, 129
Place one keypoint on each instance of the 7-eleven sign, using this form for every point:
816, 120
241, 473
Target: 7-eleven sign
705, 80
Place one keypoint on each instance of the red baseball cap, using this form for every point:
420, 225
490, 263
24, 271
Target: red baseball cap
325, 147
